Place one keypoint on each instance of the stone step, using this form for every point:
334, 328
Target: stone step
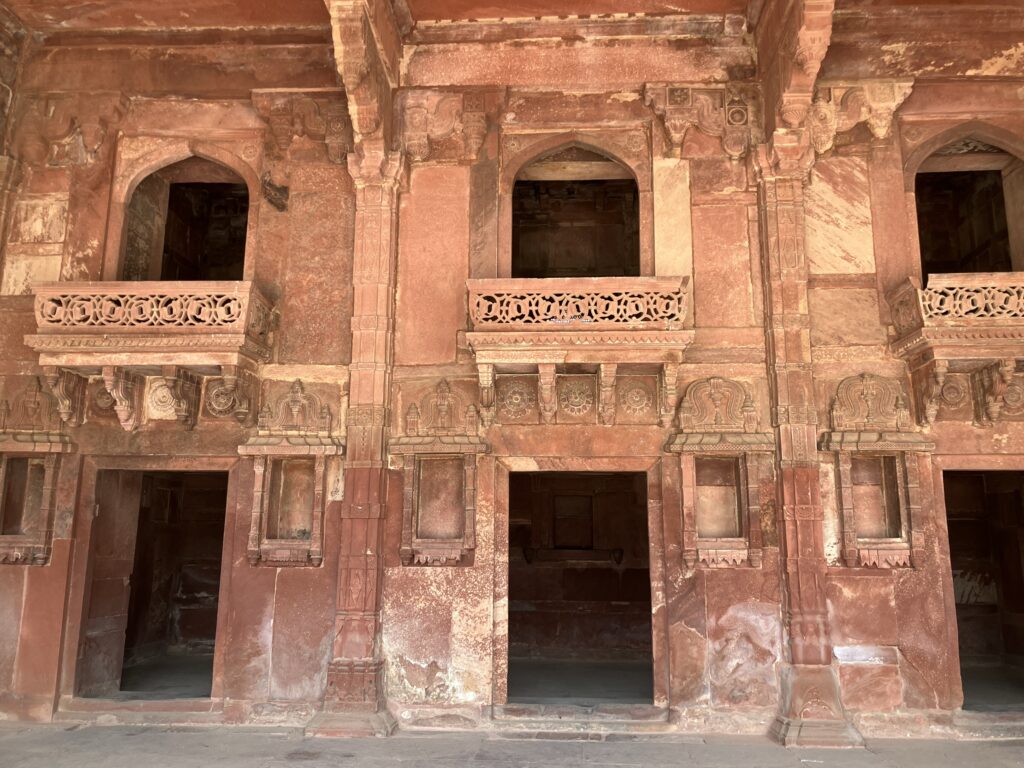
597, 722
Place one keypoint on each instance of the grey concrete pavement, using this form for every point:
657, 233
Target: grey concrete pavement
53, 746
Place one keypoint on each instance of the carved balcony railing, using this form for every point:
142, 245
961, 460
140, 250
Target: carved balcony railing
960, 316
962, 337
645, 303
193, 324
579, 319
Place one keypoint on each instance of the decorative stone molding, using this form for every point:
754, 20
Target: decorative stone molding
320, 114
714, 111
438, 450
32, 440
871, 424
838, 108
717, 418
290, 455
446, 124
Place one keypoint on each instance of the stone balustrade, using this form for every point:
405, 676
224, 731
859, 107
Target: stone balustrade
958, 299
94, 324
561, 304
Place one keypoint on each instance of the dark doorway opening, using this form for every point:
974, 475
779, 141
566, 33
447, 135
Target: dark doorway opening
152, 608
985, 513
188, 221
962, 222
579, 589
575, 214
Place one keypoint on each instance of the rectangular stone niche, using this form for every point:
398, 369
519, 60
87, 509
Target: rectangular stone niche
288, 511
27, 484
439, 509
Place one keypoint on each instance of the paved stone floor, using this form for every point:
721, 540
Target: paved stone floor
136, 747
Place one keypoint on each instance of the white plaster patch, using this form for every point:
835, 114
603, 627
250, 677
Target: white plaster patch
1009, 62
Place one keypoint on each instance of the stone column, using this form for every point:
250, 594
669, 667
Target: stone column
810, 709
355, 671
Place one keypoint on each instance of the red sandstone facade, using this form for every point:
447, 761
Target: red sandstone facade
388, 399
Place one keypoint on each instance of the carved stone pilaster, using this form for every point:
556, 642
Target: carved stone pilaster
126, 389
485, 374
714, 111
69, 390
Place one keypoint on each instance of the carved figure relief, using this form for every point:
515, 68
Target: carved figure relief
869, 403
292, 455
717, 405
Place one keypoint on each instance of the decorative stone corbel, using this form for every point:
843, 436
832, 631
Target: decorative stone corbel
64, 130
547, 396
432, 117
714, 111
320, 114
838, 108
606, 401
990, 385
126, 389
929, 381
69, 390
235, 394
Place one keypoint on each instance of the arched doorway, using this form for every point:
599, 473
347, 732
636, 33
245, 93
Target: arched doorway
187, 221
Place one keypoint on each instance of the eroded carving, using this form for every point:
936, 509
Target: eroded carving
839, 108
717, 405
714, 111
126, 389
869, 403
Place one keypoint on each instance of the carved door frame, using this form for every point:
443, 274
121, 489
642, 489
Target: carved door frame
82, 551
652, 467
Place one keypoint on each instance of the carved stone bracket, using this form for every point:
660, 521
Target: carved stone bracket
714, 111
991, 384
318, 114
126, 388
69, 390
443, 123
485, 374
838, 108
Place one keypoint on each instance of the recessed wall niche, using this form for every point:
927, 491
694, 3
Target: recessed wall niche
437, 451
876, 448
723, 458
291, 455
32, 442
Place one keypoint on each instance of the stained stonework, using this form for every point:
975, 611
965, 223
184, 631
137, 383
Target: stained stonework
757, 346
